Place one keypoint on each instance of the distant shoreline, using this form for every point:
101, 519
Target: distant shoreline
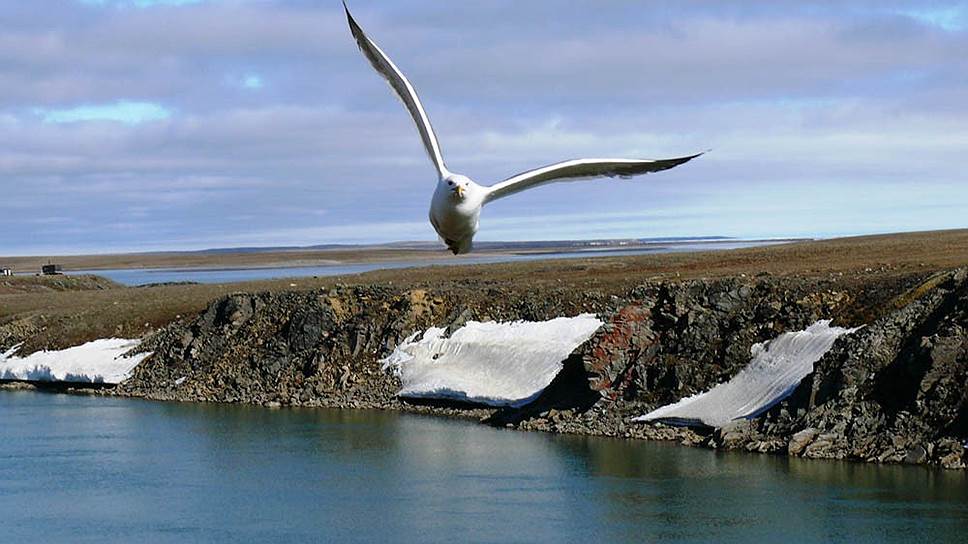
61, 311
255, 259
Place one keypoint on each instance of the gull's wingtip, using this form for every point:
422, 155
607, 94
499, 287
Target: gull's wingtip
672, 163
688, 158
693, 156
349, 16
355, 29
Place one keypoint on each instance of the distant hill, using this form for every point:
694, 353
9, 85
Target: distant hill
497, 245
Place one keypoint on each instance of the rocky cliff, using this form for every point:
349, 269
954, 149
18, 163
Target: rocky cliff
895, 391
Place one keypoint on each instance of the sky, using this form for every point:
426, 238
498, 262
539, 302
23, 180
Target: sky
144, 125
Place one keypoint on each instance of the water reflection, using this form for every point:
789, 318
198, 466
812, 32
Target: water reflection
76, 468
135, 276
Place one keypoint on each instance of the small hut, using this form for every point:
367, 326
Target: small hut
51, 269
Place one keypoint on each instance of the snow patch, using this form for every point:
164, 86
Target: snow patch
498, 364
776, 368
100, 361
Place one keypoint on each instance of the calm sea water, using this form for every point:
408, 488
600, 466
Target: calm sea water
130, 276
84, 469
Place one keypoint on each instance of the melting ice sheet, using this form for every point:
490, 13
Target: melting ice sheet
773, 373
499, 364
100, 361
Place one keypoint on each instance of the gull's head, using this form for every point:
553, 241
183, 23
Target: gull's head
458, 186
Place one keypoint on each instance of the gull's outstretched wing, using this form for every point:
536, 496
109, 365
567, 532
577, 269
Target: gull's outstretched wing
581, 169
404, 90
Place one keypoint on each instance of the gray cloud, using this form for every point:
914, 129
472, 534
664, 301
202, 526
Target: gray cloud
865, 97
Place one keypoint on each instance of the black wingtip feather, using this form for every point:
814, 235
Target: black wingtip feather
355, 30
354, 27
684, 160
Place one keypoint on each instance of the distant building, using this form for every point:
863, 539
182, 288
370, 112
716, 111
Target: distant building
51, 269
6, 272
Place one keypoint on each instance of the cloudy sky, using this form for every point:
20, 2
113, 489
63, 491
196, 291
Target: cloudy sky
181, 124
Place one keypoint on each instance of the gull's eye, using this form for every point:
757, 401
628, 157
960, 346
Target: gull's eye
451, 183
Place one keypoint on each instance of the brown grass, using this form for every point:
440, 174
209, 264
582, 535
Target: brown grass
69, 317
45, 284
205, 260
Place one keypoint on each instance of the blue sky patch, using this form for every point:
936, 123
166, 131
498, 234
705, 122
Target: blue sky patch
140, 3
950, 18
123, 111
252, 81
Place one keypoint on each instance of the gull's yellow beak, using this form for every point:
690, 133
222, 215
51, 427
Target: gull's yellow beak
460, 191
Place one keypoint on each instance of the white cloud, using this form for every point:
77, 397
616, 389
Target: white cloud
248, 112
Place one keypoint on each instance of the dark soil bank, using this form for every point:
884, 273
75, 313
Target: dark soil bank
893, 392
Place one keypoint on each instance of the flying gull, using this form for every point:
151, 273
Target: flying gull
455, 209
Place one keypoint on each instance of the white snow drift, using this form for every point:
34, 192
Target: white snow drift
100, 361
498, 364
773, 373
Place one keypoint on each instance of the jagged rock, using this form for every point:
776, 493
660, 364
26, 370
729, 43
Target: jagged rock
916, 455
800, 440
735, 435
895, 391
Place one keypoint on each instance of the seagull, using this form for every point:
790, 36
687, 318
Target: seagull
455, 209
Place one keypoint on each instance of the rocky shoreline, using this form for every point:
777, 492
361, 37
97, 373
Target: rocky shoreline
893, 392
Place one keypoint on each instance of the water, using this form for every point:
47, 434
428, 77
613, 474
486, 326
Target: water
87, 469
140, 276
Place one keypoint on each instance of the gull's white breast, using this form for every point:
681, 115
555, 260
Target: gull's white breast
454, 219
